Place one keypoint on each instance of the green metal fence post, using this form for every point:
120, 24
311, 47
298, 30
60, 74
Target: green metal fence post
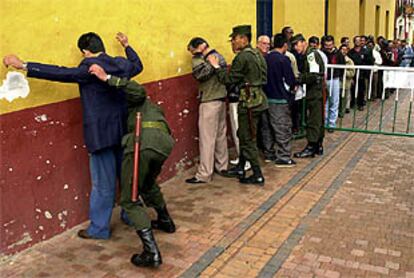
369, 98
395, 109
382, 108
343, 99
356, 98
409, 110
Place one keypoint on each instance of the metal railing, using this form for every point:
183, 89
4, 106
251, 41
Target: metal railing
398, 80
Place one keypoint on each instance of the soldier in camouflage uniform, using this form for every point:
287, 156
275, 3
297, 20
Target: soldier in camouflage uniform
156, 144
312, 76
248, 72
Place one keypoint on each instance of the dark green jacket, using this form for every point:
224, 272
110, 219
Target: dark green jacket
210, 88
153, 136
248, 66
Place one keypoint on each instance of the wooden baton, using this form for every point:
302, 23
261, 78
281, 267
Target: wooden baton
134, 191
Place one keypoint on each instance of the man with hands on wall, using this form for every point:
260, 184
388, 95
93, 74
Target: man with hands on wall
104, 117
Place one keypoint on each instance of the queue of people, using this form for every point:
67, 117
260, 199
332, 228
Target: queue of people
262, 91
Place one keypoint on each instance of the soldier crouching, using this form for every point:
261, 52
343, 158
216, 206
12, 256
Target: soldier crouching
156, 144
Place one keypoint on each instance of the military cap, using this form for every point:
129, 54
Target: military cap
241, 30
297, 38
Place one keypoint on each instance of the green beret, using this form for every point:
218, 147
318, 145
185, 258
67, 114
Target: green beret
297, 38
241, 30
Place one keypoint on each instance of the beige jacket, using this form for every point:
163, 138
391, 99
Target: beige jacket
293, 63
350, 73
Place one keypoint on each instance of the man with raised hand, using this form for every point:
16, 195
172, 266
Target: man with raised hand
104, 117
249, 71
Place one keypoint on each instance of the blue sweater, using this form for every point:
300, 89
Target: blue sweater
279, 71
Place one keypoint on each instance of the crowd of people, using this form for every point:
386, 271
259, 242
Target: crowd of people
293, 69
262, 91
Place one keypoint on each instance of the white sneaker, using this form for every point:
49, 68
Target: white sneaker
247, 166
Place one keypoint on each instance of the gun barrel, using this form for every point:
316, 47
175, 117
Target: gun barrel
134, 191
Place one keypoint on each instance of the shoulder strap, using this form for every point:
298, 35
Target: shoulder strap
260, 63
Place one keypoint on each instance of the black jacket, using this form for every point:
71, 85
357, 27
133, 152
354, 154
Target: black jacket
335, 58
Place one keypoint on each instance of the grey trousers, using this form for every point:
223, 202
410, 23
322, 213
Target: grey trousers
277, 131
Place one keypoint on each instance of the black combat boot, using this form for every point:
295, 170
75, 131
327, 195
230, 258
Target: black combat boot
309, 151
236, 171
164, 221
256, 178
151, 256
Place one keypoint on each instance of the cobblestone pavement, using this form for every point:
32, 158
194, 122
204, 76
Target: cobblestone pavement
349, 213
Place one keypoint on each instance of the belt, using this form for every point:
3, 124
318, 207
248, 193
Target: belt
251, 86
160, 125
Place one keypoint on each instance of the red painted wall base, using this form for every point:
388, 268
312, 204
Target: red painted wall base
45, 180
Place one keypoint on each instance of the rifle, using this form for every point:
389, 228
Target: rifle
134, 191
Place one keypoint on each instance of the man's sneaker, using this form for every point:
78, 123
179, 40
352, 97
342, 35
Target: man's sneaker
282, 163
235, 162
247, 166
269, 158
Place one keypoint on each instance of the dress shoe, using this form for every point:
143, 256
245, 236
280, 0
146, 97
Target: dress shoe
283, 163
253, 179
320, 150
234, 172
309, 151
194, 180
256, 178
84, 234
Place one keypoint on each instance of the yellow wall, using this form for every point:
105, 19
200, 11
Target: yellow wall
370, 6
343, 18
349, 18
47, 31
308, 17
304, 16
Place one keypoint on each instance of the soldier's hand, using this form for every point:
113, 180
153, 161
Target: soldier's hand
214, 61
98, 71
14, 61
122, 38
